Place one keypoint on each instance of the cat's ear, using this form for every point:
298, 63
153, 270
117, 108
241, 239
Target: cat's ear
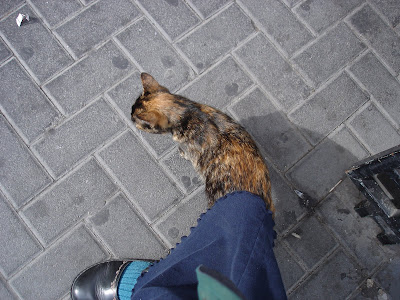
150, 85
153, 120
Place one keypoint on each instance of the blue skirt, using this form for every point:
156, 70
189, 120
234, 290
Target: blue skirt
235, 237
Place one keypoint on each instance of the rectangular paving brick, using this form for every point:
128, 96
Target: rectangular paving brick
71, 199
96, 24
55, 12
61, 263
216, 37
75, 88
174, 16
331, 52
124, 95
359, 234
282, 142
315, 241
287, 204
15, 240
374, 130
144, 42
290, 270
381, 37
36, 46
208, 7
182, 170
23, 102
328, 108
124, 232
279, 22
8, 5
322, 168
141, 176
4, 52
380, 83
4, 291
323, 13
274, 73
21, 176
391, 10
388, 277
67, 144
183, 217
218, 86
336, 279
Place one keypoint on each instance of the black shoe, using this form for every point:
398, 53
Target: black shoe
98, 282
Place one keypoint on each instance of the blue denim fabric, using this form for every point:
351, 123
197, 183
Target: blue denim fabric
235, 238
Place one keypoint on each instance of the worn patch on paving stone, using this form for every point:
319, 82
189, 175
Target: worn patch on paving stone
142, 177
215, 38
71, 199
118, 225
23, 101
21, 176
87, 79
273, 71
15, 240
71, 142
35, 45
271, 129
96, 24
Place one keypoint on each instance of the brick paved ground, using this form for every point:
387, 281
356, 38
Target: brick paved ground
315, 82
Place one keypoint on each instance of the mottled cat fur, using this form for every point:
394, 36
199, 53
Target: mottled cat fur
220, 149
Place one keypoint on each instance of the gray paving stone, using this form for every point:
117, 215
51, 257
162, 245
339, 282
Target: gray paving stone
287, 205
150, 188
282, 142
4, 52
144, 42
184, 216
64, 146
50, 276
380, 83
381, 37
9, 5
329, 53
23, 101
215, 38
182, 171
124, 95
291, 3
96, 24
208, 7
374, 130
71, 199
290, 270
389, 278
174, 16
329, 108
359, 234
55, 12
4, 292
391, 10
322, 168
315, 241
274, 73
218, 86
74, 88
125, 233
21, 176
15, 239
321, 14
36, 46
279, 22
336, 279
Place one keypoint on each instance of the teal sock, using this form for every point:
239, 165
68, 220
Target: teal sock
129, 277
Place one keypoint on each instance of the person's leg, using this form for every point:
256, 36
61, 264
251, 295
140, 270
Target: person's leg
235, 238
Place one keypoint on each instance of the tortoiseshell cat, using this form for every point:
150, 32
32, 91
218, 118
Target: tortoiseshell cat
220, 149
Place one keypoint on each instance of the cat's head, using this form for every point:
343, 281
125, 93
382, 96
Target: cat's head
151, 111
